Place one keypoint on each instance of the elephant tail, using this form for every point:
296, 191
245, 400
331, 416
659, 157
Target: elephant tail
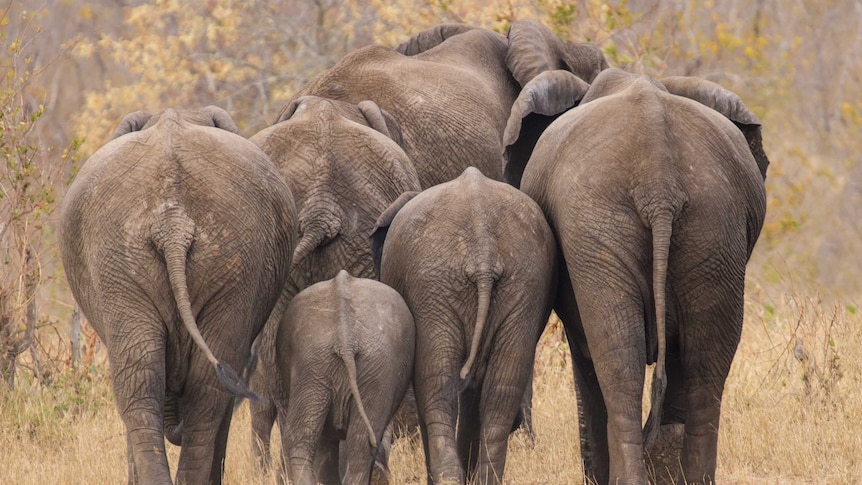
173, 234
350, 363
662, 224
484, 286
346, 352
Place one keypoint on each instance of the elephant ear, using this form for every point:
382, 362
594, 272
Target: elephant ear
728, 104
381, 228
534, 48
542, 100
132, 122
381, 120
289, 109
430, 38
221, 119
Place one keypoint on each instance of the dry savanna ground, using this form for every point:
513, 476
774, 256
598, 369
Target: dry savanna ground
792, 413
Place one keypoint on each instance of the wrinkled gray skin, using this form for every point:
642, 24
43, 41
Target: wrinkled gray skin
451, 89
475, 261
343, 170
655, 191
345, 351
176, 239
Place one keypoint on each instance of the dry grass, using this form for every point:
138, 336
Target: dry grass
792, 413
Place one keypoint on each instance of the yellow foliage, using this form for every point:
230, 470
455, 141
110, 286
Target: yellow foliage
851, 113
86, 11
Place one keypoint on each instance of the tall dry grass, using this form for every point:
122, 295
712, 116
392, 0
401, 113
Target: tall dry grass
792, 413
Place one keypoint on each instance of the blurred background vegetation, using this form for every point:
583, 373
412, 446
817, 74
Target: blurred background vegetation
71, 69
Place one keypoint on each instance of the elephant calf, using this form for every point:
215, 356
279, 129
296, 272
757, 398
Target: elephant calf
345, 351
475, 261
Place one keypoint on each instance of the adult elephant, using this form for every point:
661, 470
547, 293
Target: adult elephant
451, 89
176, 239
344, 168
475, 261
655, 191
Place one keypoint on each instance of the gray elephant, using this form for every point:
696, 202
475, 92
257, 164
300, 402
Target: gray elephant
475, 261
451, 89
344, 168
655, 191
345, 354
176, 239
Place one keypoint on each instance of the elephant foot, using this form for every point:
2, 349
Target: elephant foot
662, 458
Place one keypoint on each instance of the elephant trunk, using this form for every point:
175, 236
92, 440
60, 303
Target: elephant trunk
173, 234
661, 223
484, 285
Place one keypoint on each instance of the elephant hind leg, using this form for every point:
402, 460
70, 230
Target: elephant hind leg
327, 461
499, 405
305, 417
468, 429
360, 455
438, 361
138, 381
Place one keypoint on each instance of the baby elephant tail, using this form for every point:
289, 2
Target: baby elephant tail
350, 363
172, 234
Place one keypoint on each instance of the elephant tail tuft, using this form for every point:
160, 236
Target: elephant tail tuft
234, 383
662, 225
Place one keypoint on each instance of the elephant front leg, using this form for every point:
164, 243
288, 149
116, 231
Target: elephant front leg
592, 414
592, 421
713, 327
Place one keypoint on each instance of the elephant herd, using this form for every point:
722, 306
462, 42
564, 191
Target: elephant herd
410, 221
